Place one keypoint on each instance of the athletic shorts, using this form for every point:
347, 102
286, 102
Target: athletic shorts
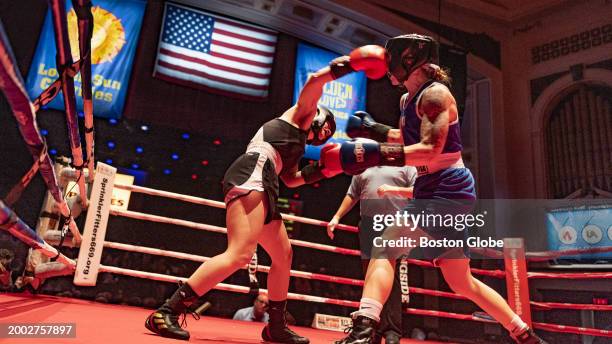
450, 191
253, 171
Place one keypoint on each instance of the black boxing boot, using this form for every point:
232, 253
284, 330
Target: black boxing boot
527, 336
276, 330
362, 331
164, 321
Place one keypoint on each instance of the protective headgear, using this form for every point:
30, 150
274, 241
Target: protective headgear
324, 115
406, 53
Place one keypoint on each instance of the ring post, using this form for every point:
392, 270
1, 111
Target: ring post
90, 252
516, 278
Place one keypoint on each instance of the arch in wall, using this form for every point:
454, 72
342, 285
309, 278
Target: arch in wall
541, 111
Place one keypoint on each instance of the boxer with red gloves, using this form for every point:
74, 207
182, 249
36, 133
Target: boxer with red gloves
251, 188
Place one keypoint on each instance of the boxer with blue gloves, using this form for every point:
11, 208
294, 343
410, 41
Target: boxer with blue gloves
429, 138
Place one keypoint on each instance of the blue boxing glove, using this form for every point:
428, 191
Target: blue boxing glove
356, 156
361, 124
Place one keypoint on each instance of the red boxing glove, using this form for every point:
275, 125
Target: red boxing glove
372, 59
319, 170
330, 160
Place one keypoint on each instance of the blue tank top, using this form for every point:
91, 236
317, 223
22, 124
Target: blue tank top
410, 124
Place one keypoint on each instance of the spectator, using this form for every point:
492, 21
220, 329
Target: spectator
151, 302
302, 286
103, 297
134, 300
257, 312
6, 280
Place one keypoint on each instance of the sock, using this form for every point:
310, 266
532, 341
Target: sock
370, 308
516, 325
180, 300
276, 311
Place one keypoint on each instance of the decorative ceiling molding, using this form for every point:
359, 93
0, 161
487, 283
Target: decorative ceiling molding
508, 10
326, 24
343, 25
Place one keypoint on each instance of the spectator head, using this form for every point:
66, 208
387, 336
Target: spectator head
150, 302
261, 304
6, 256
134, 301
102, 297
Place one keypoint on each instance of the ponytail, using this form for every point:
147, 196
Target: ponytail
439, 74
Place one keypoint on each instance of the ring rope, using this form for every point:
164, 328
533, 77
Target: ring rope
544, 255
532, 256
355, 304
221, 205
342, 280
201, 259
537, 325
572, 329
218, 229
13, 87
574, 306
223, 286
539, 275
82, 9
569, 275
20, 230
63, 61
346, 251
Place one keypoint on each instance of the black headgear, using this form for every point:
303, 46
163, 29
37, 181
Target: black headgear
406, 53
323, 115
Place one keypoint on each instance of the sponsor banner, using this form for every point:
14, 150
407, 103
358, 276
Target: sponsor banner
114, 40
331, 322
343, 96
580, 226
90, 253
121, 198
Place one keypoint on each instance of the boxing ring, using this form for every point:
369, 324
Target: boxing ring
27, 235
97, 323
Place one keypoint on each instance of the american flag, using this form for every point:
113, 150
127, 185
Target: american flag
218, 54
